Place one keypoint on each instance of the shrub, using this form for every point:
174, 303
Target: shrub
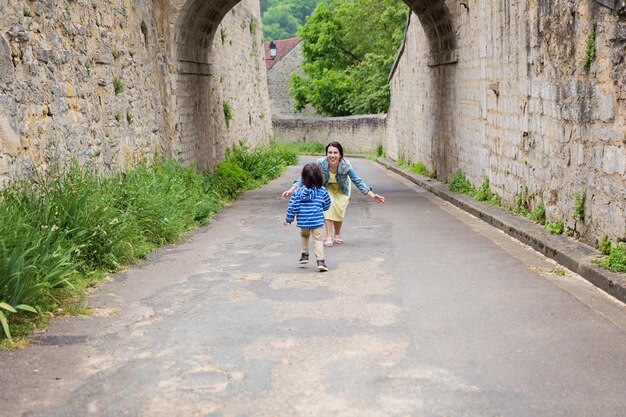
460, 184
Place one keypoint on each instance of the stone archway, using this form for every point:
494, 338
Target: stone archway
190, 26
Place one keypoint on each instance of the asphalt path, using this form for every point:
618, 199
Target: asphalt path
426, 311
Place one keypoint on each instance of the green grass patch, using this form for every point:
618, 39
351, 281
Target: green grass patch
556, 228
61, 233
460, 184
616, 261
420, 169
307, 148
579, 206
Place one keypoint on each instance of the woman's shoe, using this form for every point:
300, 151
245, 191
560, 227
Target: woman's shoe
321, 266
304, 259
328, 242
338, 240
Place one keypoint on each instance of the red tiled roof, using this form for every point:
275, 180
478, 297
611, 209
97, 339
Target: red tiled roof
283, 46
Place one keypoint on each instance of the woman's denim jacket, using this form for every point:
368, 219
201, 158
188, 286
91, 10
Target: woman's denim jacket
344, 170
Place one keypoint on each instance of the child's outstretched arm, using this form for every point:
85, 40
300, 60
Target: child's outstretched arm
293, 208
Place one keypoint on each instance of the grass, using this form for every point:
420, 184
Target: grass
309, 148
228, 112
616, 260
579, 206
63, 232
118, 85
590, 51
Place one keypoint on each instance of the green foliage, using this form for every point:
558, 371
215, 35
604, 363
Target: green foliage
380, 151
252, 27
556, 228
616, 261
484, 193
118, 116
310, 148
282, 18
129, 117
590, 51
116, 54
118, 85
348, 49
460, 184
144, 30
579, 206
605, 245
420, 168
27, 13
228, 112
538, 214
58, 233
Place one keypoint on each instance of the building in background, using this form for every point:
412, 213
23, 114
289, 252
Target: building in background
279, 68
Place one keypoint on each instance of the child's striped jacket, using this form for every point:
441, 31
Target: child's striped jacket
308, 205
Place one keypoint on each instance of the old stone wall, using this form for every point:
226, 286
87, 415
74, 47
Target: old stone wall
517, 107
357, 134
96, 81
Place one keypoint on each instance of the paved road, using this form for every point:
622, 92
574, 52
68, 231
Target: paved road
426, 311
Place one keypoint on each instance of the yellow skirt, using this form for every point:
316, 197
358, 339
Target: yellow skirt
338, 203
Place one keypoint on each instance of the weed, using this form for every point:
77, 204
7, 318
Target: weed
144, 30
605, 245
118, 116
380, 151
228, 112
252, 26
27, 13
556, 228
590, 51
116, 54
460, 184
558, 272
129, 117
616, 261
420, 168
538, 214
118, 85
579, 206
223, 35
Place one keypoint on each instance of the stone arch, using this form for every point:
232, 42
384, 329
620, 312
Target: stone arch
186, 29
438, 25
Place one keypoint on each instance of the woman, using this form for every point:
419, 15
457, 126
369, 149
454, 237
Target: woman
338, 173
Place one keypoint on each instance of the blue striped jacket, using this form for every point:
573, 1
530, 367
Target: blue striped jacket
308, 205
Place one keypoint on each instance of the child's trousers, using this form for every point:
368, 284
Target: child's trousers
318, 242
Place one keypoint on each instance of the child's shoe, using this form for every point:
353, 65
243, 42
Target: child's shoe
304, 258
321, 266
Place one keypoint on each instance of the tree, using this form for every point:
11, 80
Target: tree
282, 18
348, 48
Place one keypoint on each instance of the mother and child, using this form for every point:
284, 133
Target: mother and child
320, 198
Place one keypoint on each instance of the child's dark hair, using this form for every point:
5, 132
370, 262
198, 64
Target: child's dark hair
312, 175
335, 145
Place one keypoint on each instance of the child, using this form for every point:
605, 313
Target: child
307, 204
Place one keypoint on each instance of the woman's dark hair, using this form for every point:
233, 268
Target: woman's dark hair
312, 175
335, 145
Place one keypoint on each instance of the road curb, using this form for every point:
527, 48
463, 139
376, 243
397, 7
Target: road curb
572, 254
